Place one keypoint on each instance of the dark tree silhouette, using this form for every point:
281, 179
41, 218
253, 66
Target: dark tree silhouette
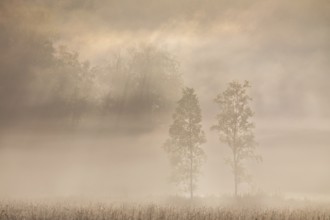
50, 83
142, 84
72, 83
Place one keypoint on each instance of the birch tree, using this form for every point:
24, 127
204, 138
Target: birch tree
236, 129
184, 144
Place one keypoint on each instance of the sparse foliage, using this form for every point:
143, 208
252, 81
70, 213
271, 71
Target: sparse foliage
235, 128
186, 136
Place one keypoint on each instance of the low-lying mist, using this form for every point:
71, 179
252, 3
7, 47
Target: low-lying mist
133, 165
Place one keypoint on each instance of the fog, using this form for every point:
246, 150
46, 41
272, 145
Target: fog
88, 89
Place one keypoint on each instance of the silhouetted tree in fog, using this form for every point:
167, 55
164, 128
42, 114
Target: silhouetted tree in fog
39, 82
186, 136
142, 82
71, 84
235, 128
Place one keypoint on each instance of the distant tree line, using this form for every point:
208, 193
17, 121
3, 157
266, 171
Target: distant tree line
45, 84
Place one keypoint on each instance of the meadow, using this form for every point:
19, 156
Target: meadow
134, 211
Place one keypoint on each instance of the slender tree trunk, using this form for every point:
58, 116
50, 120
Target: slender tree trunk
191, 174
236, 183
235, 159
235, 148
235, 174
191, 159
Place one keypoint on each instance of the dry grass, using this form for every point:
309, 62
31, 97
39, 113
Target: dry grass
63, 210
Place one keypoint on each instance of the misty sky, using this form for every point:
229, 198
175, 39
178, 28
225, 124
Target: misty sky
281, 47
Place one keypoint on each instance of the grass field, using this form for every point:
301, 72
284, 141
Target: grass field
98, 211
